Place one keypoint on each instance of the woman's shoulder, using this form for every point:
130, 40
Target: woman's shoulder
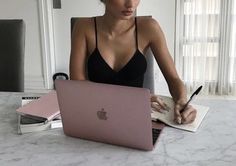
82, 25
147, 22
82, 21
148, 27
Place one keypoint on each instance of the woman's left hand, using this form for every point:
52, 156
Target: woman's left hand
158, 104
185, 117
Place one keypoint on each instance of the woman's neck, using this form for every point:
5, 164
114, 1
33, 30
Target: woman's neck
115, 26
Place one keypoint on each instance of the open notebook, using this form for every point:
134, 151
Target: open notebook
168, 116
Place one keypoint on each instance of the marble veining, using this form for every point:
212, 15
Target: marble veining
214, 144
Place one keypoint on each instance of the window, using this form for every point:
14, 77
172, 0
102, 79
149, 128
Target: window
205, 49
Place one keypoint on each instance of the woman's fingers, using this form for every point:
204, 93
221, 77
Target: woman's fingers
159, 101
189, 115
177, 115
156, 107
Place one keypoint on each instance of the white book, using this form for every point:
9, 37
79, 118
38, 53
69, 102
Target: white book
28, 99
28, 125
167, 117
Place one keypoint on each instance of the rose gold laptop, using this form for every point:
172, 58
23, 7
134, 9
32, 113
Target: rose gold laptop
113, 114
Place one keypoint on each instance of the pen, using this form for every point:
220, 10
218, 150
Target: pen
191, 98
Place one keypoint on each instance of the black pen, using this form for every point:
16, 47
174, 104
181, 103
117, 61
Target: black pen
191, 98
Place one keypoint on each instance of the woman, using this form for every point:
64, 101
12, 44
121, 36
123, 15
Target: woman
111, 49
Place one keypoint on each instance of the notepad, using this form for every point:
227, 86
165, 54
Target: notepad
46, 107
167, 117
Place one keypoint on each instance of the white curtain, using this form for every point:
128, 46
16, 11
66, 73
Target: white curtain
232, 52
206, 53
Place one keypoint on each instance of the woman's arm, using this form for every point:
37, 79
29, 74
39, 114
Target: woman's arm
78, 51
176, 87
159, 48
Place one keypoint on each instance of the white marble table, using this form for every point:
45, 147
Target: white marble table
214, 144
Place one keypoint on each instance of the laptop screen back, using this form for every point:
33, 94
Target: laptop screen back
106, 113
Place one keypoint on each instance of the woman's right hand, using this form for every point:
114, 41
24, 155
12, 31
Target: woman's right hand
185, 117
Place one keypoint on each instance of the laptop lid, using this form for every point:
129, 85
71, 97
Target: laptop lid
106, 113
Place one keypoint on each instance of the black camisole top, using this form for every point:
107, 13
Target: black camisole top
132, 74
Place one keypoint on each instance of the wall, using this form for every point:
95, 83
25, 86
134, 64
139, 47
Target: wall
28, 11
61, 17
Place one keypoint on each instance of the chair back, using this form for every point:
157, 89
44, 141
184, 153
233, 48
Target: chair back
12, 50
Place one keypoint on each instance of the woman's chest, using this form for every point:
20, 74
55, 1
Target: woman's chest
116, 51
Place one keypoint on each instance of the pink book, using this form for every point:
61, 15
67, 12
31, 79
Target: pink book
45, 107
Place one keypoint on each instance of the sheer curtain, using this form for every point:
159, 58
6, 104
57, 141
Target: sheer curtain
206, 45
232, 53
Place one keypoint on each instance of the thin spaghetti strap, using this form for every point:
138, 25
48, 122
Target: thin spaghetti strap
95, 25
136, 32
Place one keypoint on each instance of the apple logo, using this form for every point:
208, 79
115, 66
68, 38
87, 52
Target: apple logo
102, 114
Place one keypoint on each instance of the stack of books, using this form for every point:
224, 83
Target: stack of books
39, 113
